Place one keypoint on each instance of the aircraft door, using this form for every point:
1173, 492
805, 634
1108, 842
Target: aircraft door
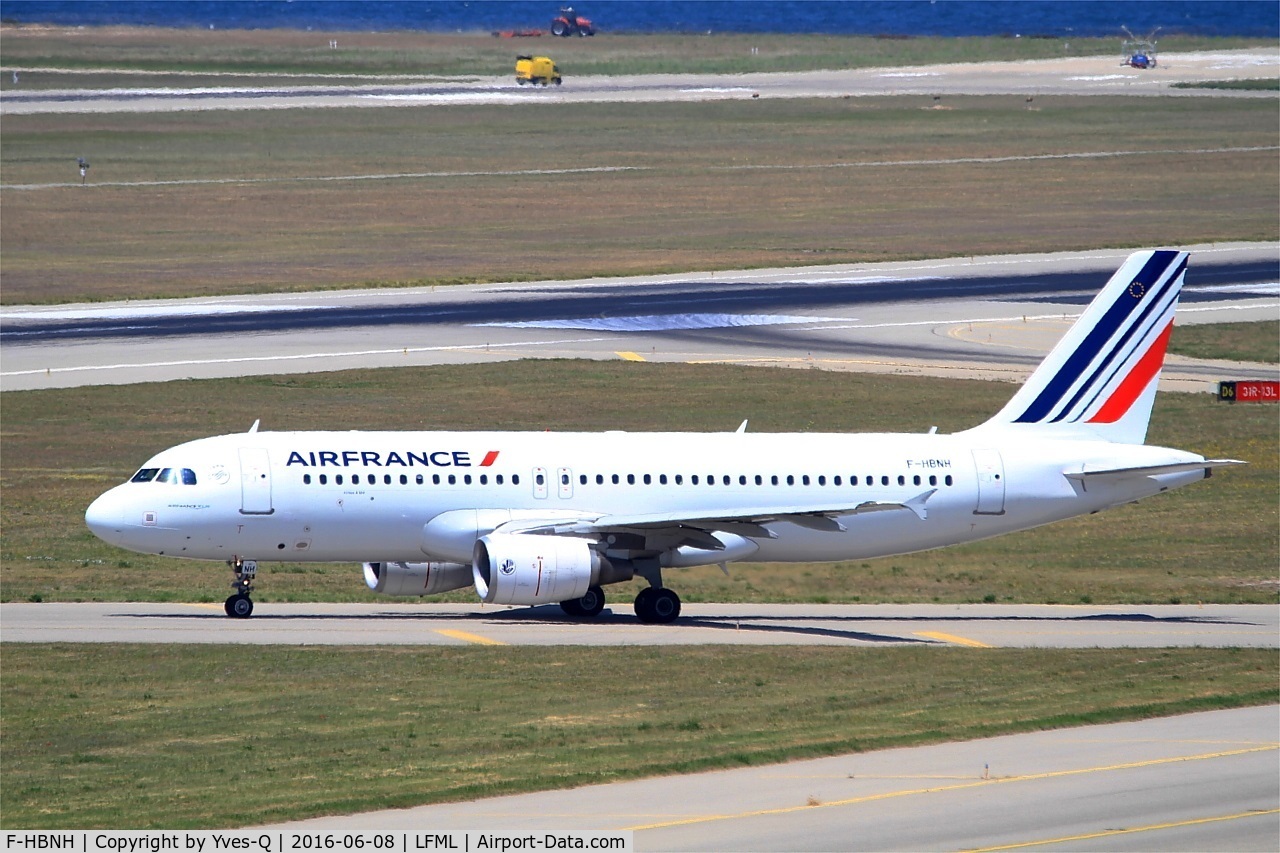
564, 482
255, 481
540, 482
990, 482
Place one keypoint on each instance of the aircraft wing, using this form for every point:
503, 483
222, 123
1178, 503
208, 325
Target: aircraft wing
748, 521
1148, 470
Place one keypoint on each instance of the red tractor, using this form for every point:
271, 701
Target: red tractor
570, 23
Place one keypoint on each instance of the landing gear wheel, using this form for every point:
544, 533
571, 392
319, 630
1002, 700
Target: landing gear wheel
665, 606
589, 605
239, 606
593, 602
657, 606
644, 604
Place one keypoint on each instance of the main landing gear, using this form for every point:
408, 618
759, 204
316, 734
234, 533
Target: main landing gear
657, 605
240, 605
654, 605
588, 606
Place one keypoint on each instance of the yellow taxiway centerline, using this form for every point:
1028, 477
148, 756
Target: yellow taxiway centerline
1107, 833
469, 637
952, 638
1051, 774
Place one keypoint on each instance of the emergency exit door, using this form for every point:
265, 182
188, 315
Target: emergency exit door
255, 481
990, 482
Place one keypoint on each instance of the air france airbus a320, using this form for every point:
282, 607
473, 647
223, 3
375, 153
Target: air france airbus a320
532, 518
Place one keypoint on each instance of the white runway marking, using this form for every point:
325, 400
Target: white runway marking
664, 322
298, 357
856, 164
1271, 288
142, 311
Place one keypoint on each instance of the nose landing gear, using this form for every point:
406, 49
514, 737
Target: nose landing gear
240, 605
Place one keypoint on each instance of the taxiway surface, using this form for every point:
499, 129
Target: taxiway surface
1195, 782
971, 625
1090, 75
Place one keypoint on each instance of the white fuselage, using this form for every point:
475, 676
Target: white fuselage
367, 496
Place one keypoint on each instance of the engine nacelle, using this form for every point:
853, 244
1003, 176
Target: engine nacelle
416, 578
513, 568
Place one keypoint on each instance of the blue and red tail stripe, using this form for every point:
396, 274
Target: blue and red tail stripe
1123, 398
1109, 347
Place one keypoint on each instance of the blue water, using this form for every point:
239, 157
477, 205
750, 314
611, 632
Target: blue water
1059, 18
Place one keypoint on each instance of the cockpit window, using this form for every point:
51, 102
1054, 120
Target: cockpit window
173, 476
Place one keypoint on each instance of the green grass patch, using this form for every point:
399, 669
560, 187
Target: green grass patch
1214, 542
186, 736
1235, 341
1265, 84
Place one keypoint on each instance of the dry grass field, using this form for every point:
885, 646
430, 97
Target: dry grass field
214, 736
1215, 541
201, 203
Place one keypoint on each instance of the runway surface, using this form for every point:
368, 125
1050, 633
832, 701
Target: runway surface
1094, 75
1196, 782
400, 623
990, 317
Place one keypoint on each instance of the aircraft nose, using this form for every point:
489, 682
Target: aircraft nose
104, 516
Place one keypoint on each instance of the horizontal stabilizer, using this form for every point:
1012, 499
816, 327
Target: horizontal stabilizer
1149, 470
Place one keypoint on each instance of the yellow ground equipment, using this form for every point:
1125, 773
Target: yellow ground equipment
536, 70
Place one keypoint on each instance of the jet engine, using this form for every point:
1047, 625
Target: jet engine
513, 568
416, 578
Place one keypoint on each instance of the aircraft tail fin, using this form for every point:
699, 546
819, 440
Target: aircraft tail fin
1100, 380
